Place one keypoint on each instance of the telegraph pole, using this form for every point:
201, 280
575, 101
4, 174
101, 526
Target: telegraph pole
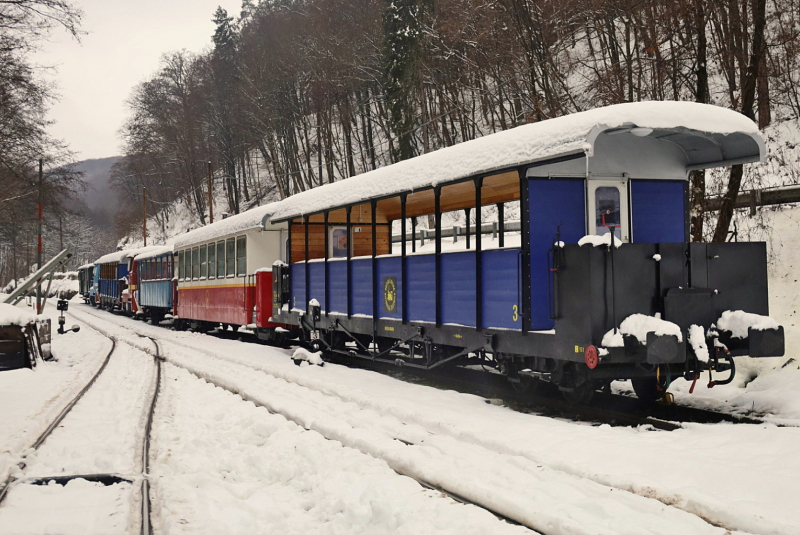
210, 195
144, 214
39, 247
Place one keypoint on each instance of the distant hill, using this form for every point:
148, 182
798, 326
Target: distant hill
100, 199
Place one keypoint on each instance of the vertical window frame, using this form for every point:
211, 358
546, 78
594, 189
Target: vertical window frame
195, 263
241, 256
230, 257
212, 260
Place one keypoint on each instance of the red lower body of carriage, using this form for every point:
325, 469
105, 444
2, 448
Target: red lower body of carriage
234, 304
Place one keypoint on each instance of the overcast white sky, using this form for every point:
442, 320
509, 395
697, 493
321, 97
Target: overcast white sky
123, 47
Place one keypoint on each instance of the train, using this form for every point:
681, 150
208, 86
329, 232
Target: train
601, 281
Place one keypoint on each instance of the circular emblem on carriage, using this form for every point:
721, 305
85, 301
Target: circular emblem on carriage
390, 294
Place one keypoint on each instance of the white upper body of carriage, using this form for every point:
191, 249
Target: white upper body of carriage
230, 250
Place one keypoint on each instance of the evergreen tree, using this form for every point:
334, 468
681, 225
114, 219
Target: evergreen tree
223, 65
402, 32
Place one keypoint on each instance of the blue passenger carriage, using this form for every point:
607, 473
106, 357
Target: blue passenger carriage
85, 282
154, 289
114, 279
601, 284
112, 271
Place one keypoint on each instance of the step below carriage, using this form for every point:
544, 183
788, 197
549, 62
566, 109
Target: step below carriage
555, 301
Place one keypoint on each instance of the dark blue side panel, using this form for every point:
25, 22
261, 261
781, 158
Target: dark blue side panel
298, 282
122, 270
316, 282
421, 274
361, 296
551, 202
458, 288
502, 281
390, 280
109, 288
658, 211
337, 278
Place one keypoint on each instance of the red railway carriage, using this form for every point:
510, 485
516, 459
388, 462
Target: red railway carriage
224, 273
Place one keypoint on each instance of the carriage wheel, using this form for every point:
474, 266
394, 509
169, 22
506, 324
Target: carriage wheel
581, 394
648, 389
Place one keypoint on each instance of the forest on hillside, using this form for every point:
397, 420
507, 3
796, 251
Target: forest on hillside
297, 93
24, 141
292, 94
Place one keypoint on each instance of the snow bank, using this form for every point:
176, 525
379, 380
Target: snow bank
11, 315
738, 322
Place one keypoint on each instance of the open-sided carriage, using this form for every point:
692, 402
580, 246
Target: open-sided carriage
85, 282
567, 304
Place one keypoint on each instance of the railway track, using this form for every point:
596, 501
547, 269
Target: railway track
605, 408
107, 479
420, 453
56, 421
146, 506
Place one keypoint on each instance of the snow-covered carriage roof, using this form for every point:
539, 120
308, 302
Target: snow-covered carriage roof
86, 266
119, 256
12, 315
157, 251
704, 135
251, 219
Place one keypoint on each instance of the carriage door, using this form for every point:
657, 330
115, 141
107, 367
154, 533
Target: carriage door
608, 208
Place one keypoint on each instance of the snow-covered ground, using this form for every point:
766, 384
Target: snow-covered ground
319, 449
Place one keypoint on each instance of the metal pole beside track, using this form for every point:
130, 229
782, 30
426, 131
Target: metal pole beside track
144, 214
39, 246
210, 194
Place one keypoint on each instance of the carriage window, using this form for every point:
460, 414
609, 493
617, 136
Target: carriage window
195, 263
212, 261
230, 257
607, 208
203, 265
220, 259
181, 265
241, 256
338, 241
